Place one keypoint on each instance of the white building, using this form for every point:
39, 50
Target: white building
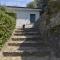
25, 16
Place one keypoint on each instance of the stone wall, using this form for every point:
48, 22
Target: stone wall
50, 33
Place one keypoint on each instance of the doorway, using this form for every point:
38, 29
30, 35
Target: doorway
32, 18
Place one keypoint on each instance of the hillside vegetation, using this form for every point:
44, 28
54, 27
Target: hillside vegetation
54, 12
54, 7
7, 25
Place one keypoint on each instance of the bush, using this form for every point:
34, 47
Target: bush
11, 14
7, 25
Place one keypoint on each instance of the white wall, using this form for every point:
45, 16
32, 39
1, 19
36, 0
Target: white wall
23, 17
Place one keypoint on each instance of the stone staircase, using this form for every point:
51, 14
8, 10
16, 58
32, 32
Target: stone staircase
25, 42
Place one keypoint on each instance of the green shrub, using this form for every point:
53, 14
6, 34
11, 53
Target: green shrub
11, 14
7, 25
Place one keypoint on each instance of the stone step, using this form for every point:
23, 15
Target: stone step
25, 41
23, 48
32, 49
26, 51
26, 30
17, 31
27, 44
25, 37
11, 58
34, 32
26, 58
21, 53
22, 43
26, 33
19, 48
29, 39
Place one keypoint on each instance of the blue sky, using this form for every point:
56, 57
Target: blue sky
15, 2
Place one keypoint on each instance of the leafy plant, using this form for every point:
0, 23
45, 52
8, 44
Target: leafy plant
7, 25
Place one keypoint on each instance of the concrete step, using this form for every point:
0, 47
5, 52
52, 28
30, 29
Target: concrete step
26, 30
32, 40
25, 37
25, 41
27, 44
17, 31
17, 51
21, 48
26, 51
29, 39
36, 49
26, 33
22, 43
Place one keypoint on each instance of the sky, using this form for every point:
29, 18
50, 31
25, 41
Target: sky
21, 3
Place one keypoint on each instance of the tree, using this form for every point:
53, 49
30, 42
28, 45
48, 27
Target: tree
42, 4
31, 5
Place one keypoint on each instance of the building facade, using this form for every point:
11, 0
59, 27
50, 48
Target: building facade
25, 16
